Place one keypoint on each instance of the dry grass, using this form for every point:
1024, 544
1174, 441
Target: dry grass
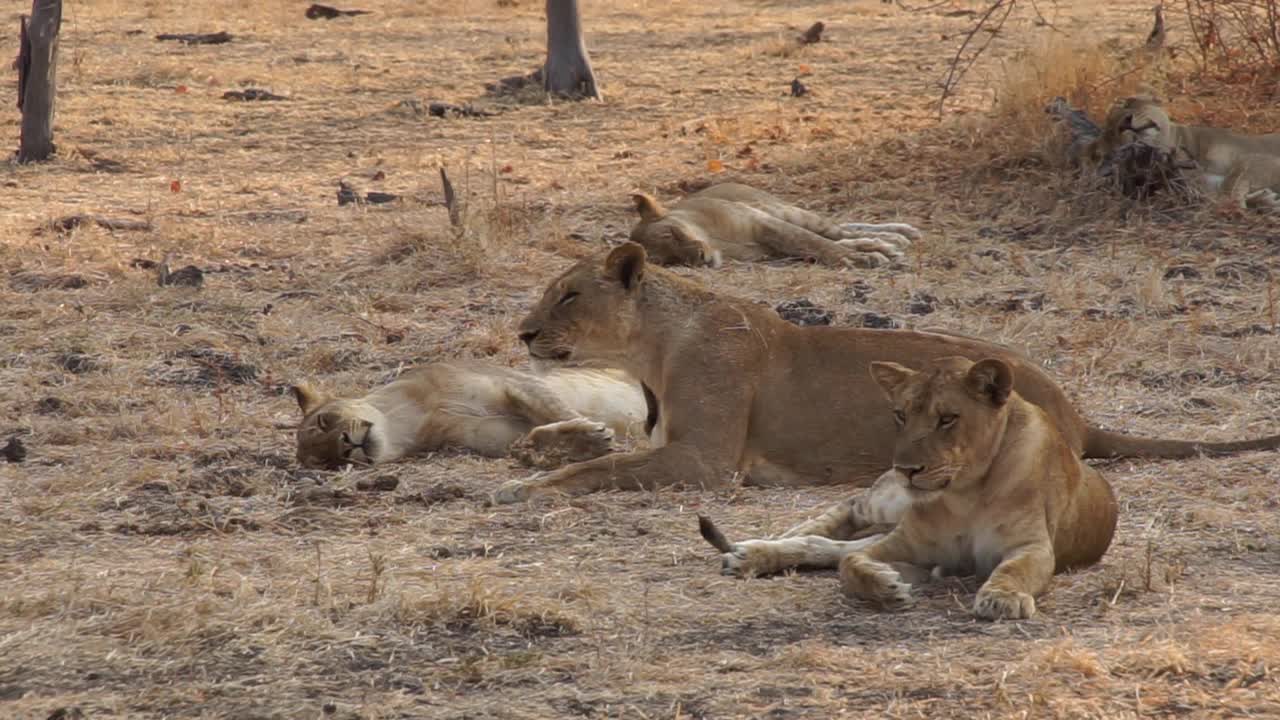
163, 557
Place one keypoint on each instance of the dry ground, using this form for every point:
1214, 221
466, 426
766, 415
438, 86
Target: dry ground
158, 557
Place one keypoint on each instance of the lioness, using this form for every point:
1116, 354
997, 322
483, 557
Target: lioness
733, 388
1245, 169
982, 483
741, 223
569, 413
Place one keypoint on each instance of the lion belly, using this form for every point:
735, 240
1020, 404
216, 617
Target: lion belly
604, 396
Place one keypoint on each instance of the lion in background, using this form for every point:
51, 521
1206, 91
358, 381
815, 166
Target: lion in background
564, 415
983, 483
1146, 149
1242, 169
737, 222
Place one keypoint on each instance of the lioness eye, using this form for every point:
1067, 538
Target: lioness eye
322, 422
568, 298
899, 417
946, 421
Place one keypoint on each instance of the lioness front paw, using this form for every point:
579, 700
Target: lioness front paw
514, 491
1264, 199
874, 581
587, 439
998, 604
569, 441
907, 232
873, 245
855, 259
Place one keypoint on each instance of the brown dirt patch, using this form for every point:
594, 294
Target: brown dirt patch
162, 555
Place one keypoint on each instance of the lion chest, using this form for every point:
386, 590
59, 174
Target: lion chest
987, 551
962, 551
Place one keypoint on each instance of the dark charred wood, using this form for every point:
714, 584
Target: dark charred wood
217, 38
813, 34
325, 12
251, 95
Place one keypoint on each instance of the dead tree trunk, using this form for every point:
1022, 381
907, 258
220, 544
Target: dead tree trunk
37, 59
568, 67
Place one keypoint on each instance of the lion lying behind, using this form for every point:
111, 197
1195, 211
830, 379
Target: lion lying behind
741, 223
733, 390
982, 483
566, 415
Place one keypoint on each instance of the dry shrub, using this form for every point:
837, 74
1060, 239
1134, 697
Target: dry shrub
1090, 77
1019, 141
483, 606
1067, 656
438, 254
1236, 40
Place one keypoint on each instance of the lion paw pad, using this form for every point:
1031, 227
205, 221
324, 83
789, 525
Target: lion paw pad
1004, 605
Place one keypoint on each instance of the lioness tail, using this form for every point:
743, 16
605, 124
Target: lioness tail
1101, 443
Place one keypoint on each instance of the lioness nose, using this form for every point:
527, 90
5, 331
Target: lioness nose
908, 470
528, 336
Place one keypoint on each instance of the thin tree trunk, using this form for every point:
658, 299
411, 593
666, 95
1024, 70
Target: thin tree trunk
37, 59
568, 67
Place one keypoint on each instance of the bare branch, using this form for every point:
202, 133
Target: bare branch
960, 63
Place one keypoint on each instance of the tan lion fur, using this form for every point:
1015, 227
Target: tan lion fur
734, 388
982, 484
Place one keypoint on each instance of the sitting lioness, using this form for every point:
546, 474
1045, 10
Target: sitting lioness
741, 223
1245, 169
569, 414
733, 388
982, 483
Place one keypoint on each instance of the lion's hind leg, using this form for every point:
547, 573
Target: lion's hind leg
879, 507
765, 557
847, 527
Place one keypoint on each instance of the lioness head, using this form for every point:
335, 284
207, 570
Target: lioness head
1139, 119
950, 415
670, 240
587, 313
336, 432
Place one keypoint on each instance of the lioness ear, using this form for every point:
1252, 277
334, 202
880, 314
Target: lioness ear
890, 376
308, 397
626, 264
991, 379
648, 207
